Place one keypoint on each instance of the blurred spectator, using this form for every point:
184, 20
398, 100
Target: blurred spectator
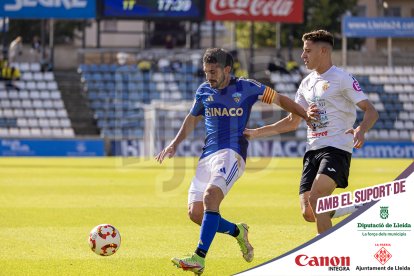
277, 64
9, 74
45, 62
122, 58
3, 63
176, 66
164, 65
292, 66
15, 49
36, 49
238, 70
169, 42
144, 65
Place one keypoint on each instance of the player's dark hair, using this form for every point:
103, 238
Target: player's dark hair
319, 36
219, 56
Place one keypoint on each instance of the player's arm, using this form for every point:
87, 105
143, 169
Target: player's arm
189, 124
289, 123
370, 117
270, 96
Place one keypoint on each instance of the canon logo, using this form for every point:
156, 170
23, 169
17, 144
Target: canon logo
304, 260
67, 4
252, 7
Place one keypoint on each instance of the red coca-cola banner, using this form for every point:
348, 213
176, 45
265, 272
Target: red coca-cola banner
289, 11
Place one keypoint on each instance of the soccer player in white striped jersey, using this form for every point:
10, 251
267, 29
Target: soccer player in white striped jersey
330, 142
225, 103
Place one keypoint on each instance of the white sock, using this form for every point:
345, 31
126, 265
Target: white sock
345, 211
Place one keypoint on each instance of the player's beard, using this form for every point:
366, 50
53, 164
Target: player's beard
216, 84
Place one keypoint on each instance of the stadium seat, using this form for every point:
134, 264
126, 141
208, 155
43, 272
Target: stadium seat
44, 123
40, 113
58, 104
47, 132
4, 132
41, 85
34, 94
55, 95
27, 104
18, 113
27, 76
38, 76
14, 132
16, 104
33, 122
31, 85
51, 85
21, 84
51, 113
394, 134
57, 132
38, 104
65, 122
383, 134
68, 132
399, 125
62, 113
409, 125
405, 135
25, 132
48, 76
408, 106
22, 122
35, 67
35, 132
29, 113
24, 67
83, 68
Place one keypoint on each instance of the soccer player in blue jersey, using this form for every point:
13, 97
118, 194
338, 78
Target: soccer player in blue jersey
225, 103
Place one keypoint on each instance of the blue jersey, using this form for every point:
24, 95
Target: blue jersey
227, 111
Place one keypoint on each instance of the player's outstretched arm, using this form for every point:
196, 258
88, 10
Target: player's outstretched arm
370, 117
189, 124
291, 106
289, 123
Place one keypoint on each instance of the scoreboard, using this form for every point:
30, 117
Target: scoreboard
153, 9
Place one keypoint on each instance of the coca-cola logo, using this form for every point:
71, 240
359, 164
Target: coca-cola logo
252, 7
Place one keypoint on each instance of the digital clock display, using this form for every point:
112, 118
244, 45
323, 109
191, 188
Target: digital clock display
153, 9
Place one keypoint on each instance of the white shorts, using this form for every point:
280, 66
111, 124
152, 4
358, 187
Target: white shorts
220, 169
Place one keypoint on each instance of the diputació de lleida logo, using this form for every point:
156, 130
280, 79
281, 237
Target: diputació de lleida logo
384, 212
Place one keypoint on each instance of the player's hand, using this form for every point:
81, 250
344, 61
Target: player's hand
167, 151
250, 133
312, 115
313, 112
359, 136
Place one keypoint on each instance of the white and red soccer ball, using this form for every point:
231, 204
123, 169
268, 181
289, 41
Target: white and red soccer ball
104, 239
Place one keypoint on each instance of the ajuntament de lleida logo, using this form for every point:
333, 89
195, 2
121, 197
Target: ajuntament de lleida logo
384, 212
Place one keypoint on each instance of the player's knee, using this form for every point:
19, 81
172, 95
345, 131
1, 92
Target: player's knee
196, 215
308, 217
313, 200
212, 198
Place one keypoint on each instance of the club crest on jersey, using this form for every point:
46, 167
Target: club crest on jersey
325, 86
356, 86
210, 98
236, 97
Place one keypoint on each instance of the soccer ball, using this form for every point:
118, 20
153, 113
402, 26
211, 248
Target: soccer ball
104, 240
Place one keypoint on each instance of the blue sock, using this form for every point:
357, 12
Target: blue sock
209, 227
226, 227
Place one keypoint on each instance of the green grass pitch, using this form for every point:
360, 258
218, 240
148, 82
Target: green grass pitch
48, 206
